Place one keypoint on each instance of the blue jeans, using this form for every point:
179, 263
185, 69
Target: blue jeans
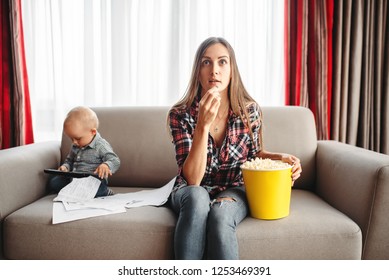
56, 183
206, 225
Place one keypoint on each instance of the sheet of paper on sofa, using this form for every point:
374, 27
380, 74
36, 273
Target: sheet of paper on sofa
153, 197
79, 190
92, 204
61, 215
66, 211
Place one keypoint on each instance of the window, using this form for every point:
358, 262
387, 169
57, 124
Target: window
140, 52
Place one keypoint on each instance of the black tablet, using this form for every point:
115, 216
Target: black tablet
70, 174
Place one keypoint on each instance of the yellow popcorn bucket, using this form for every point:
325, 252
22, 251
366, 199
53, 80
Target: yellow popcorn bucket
268, 192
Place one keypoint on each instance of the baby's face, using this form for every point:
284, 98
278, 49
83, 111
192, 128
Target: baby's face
79, 135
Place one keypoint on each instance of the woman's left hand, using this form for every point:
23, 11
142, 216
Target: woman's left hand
296, 166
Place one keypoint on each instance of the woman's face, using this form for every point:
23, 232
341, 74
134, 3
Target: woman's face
215, 68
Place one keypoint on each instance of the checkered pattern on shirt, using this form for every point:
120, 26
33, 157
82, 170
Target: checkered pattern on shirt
223, 165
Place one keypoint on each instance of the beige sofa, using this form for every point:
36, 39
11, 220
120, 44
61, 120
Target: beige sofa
339, 207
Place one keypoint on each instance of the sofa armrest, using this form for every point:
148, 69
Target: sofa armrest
356, 182
22, 179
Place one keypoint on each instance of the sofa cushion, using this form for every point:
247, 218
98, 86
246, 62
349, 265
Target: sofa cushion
313, 230
140, 233
291, 129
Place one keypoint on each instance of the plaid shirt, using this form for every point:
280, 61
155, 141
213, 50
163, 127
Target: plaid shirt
223, 165
88, 158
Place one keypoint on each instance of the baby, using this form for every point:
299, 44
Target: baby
89, 152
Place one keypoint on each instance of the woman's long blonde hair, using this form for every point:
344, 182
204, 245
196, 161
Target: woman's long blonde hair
239, 97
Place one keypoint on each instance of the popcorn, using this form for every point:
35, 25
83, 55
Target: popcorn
265, 164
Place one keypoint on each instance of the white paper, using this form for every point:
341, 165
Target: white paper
96, 203
60, 215
155, 197
72, 208
79, 189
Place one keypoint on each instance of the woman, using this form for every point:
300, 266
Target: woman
215, 128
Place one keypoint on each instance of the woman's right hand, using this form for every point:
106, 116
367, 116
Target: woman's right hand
195, 163
208, 108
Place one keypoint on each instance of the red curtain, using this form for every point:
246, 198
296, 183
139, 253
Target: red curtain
308, 58
15, 108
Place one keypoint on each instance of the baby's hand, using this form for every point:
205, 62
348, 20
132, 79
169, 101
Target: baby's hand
103, 171
63, 168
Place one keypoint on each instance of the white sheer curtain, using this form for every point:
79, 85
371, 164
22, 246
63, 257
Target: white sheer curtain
140, 52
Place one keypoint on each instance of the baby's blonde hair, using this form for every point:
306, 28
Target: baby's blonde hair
84, 115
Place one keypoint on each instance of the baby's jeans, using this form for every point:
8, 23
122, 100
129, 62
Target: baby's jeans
206, 225
56, 183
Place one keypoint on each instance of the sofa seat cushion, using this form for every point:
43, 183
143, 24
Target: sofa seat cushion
147, 233
313, 230
140, 233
